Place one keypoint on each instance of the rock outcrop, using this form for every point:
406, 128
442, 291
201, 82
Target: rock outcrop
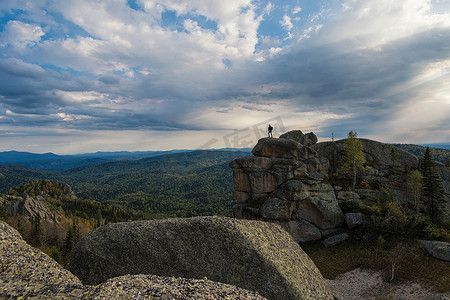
286, 182
293, 179
253, 255
28, 273
386, 172
28, 207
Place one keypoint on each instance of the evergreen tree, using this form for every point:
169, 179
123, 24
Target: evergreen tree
36, 231
55, 253
433, 192
20, 228
67, 247
415, 183
76, 233
3, 214
354, 158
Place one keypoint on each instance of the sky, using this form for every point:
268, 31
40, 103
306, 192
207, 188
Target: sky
80, 76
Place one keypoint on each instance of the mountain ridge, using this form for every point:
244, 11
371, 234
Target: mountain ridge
56, 162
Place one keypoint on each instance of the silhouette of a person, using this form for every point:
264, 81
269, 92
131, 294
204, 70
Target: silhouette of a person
269, 129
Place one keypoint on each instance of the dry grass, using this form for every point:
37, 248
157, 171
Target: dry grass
413, 263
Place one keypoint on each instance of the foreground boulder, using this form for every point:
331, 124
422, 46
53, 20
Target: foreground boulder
26, 272
158, 287
252, 255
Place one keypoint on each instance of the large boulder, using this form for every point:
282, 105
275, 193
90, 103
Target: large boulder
314, 202
27, 273
354, 219
437, 249
157, 287
385, 173
382, 157
323, 213
335, 239
298, 136
302, 231
254, 255
278, 209
282, 148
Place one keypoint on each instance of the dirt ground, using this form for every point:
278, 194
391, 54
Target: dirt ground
368, 284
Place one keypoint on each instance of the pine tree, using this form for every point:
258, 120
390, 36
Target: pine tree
433, 192
36, 231
67, 247
3, 214
75, 232
354, 158
20, 228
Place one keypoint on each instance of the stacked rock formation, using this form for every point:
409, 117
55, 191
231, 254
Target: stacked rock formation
300, 184
286, 181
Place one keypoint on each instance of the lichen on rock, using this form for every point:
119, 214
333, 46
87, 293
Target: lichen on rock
27, 273
253, 255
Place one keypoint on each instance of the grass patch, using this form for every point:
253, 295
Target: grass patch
412, 264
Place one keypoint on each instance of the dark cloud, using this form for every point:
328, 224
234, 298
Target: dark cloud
126, 78
110, 79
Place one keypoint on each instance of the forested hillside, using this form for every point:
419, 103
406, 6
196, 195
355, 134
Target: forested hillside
438, 154
175, 185
15, 175
171, 185
49, 216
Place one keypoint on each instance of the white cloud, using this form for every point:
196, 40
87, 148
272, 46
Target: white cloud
286, 23
21, 35
268, 9
123, 38
375, 23
296, 10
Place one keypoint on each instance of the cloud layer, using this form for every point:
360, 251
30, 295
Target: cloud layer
78, 70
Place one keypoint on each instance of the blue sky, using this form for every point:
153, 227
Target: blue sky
104, 75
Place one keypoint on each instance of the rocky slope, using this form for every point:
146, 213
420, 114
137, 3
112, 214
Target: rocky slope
302, 185
254, 255
28, 207
27, 272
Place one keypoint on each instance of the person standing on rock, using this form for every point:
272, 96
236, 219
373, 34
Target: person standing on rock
270, 131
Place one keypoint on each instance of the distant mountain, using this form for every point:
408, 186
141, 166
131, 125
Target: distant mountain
50, 161
439, 146
54, 162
